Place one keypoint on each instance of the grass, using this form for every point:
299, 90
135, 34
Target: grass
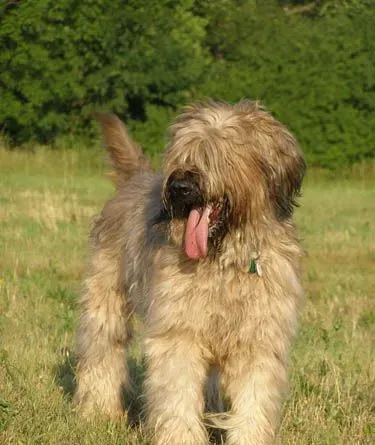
46, 201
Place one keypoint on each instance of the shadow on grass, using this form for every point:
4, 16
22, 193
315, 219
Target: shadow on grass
64, 373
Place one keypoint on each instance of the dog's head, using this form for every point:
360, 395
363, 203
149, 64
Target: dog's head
226, 167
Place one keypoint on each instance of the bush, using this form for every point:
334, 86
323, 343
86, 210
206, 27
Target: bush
63, 59
311, 64
316, 75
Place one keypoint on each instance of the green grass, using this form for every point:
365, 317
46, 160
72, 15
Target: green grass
46, 201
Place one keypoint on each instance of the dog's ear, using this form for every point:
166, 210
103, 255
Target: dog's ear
286, 170
278, 156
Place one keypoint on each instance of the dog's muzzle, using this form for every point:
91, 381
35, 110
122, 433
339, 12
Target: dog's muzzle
183, 193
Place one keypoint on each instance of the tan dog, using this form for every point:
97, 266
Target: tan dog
207, 254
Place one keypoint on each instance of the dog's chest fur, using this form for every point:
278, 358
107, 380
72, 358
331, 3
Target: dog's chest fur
216, 302
222, 308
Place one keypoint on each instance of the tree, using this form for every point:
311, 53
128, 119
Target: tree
62, 59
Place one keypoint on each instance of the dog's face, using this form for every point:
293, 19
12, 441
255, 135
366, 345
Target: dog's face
206, 215
226, 167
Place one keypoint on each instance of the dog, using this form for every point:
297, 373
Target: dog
206, 253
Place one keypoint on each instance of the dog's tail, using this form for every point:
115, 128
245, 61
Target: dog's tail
126, 157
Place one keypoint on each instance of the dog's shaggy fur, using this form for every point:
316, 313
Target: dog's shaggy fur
207, 254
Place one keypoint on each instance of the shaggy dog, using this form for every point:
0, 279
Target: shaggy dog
207, 254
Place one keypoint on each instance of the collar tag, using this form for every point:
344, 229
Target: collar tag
255, 267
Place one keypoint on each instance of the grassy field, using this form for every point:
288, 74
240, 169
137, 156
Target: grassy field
46, 201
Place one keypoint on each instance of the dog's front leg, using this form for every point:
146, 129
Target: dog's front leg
254, 385
176, 375
102, 338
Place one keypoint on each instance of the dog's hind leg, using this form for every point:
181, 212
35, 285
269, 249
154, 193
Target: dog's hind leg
214, 405
214, 401
101, 340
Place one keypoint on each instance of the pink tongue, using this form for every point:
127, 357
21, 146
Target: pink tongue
196, 234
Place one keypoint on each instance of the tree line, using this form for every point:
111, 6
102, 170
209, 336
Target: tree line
312, 63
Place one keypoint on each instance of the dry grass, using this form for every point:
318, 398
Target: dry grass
46, 201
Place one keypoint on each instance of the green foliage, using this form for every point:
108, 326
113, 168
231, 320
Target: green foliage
151, 133
63, 59
311, 63
318, 77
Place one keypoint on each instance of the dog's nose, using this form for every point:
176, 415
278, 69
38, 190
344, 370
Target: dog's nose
182, 194
181, 187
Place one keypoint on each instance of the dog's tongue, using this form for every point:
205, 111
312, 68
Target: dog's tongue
196, 234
